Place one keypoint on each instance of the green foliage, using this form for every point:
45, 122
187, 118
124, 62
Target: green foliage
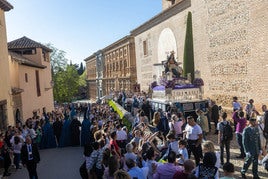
58, 61
82, 79
66, 84
67, 78
188, 61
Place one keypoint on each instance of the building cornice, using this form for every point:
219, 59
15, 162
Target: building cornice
166, 14
91, 57
118, 43
123, 41
6, 6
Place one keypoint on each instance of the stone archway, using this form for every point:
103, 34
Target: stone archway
166, 44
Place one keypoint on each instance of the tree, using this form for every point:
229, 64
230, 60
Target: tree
82, 79
81, 69
66, 84
58, 60
188, 61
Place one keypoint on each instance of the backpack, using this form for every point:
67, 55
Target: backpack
206, 172
135, 103
227, 132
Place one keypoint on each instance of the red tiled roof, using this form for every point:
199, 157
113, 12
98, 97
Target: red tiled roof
25, 61
25, 42
6, 6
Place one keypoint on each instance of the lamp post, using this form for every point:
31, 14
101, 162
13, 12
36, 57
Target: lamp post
51, 83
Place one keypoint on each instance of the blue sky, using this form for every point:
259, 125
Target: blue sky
80, 27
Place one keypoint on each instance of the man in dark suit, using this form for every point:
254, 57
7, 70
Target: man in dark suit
30, 157
57, 127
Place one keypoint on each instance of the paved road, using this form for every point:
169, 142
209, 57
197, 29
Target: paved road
58, 163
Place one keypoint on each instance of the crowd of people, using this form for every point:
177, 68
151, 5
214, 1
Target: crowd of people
158, 144
20, 144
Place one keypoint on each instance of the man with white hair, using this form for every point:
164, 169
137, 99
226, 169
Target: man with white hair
130, 154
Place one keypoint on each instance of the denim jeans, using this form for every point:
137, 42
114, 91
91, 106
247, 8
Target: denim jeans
252, 159
239, 141
226, 145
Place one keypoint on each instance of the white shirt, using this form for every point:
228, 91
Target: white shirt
192, 132
17, 148
32, 133
30, 151
12, 139
121, 135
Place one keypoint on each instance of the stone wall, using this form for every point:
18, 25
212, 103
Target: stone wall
230, 48
236, 31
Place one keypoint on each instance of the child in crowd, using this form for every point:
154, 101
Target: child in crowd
183, 153
121, 174
207, 169
172, 146
228, 171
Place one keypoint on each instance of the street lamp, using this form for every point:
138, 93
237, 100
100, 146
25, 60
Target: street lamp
51, 83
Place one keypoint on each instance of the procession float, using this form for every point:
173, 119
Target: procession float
173, 91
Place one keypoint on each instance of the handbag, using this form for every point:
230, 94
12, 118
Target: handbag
265, 134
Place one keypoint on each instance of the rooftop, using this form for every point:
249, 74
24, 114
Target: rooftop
6, 6
24, 43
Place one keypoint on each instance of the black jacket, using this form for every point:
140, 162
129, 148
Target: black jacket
24, 154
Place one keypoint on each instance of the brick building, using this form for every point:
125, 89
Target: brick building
91, 77
112, 68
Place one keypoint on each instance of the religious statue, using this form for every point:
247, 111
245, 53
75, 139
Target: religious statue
171, 65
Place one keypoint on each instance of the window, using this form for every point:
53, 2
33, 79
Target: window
37, 83
26, 77
45, 56
145, 48
29, 52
